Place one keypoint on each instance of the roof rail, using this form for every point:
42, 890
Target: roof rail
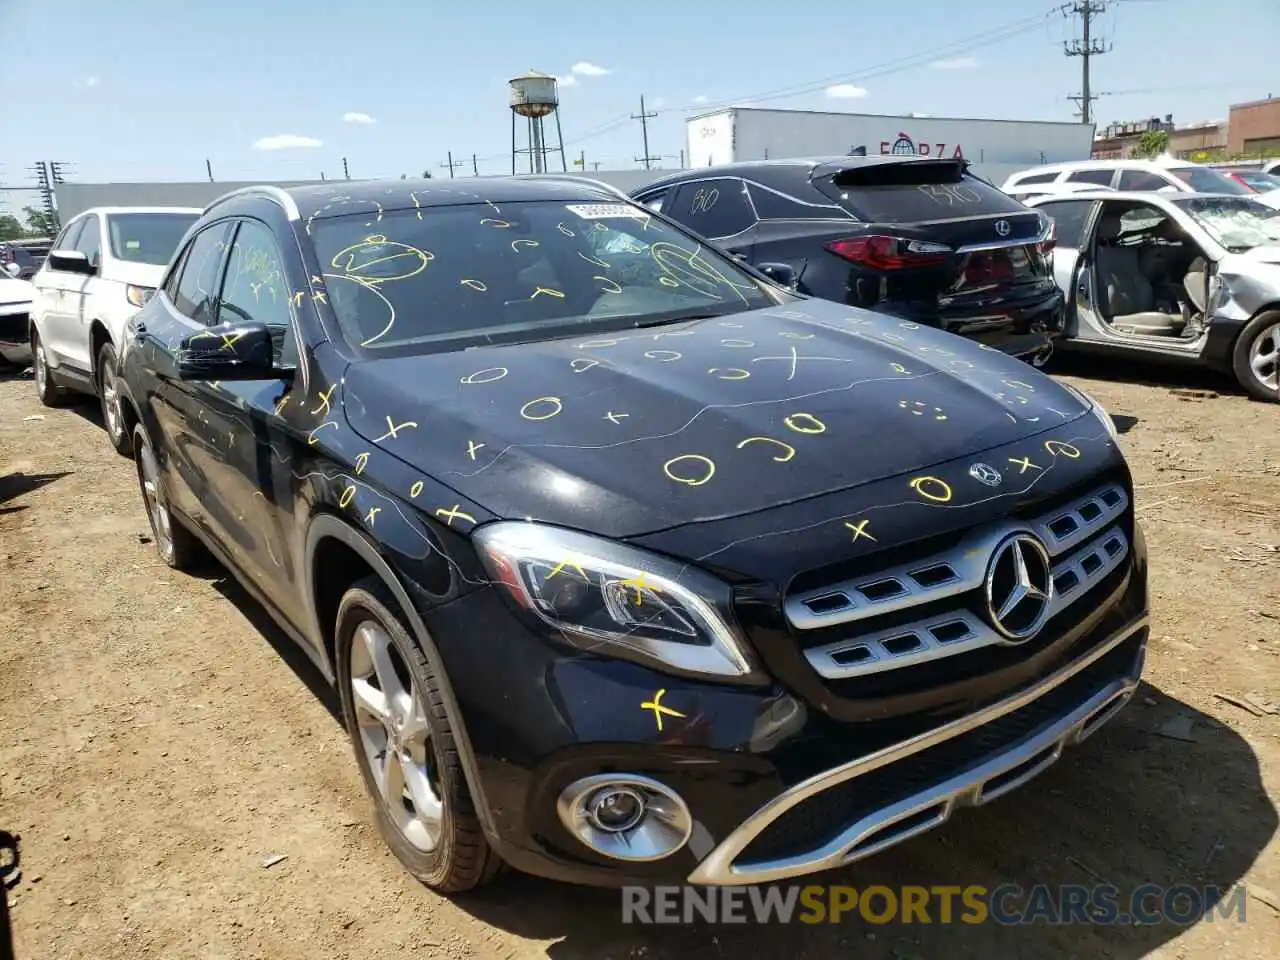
263, 190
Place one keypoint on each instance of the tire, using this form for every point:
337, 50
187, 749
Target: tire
178, 547
1256, 357
425, 765
50, 394
112, 416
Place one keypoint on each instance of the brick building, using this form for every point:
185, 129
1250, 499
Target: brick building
1254, 127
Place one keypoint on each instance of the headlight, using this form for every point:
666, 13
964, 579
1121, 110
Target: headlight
1098, 410
618, 601
138, 296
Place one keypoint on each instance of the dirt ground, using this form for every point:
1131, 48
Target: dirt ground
160, 741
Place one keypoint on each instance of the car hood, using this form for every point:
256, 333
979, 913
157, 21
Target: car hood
16, 291
139, 274
632, 432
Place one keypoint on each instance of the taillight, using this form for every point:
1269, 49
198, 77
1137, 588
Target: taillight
1050, 241
890, 253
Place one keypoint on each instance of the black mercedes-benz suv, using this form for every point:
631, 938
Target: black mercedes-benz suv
628, 564
918, 238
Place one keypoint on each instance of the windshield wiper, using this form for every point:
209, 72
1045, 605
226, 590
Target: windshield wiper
682, 318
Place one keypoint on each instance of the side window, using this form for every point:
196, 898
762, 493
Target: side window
654, 200
67, 238
1069, 218
171, 281
90, 240
714, 208
255, 289
1100, 177
1141, 180
772, 205
197, 294
1036, 178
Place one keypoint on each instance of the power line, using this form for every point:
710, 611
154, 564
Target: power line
1086, 47
644, 119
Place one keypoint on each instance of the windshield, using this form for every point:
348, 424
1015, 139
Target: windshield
437, 278
1261, 182
1205, 180
1236, 224
147, 237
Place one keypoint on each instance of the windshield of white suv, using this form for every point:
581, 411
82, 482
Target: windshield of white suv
449, 277
1207, 180
1238, 224
147, 237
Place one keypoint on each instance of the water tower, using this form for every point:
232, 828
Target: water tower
534, 96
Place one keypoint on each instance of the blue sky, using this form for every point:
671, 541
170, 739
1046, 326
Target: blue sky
148, 89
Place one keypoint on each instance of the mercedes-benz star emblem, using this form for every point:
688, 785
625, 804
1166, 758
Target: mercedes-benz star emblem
985, 473
1003, 228
1019, 587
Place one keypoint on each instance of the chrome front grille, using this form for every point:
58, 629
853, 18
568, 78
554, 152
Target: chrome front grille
1083, 539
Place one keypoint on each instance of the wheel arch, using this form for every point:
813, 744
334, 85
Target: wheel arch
330, 538
99, 335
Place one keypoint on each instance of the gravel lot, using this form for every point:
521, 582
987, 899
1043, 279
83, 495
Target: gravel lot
160, 741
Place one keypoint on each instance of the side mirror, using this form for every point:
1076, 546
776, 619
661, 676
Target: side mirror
71, 261
779, 273
12, 269
239, 350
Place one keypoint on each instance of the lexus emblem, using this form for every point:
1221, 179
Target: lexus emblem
985, 473
1003, 228
1019, 587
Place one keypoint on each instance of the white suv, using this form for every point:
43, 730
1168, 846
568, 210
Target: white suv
103, 266
1166, 176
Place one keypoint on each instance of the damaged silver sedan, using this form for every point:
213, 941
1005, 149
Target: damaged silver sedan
1184, 277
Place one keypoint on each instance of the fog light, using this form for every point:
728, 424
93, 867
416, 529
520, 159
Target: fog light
625, 816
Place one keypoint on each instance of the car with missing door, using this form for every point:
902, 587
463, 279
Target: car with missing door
1180, 277
102, 267
629, 565
919, 238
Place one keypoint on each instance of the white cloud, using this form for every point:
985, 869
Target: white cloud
658, 103
567, 81
587, 69
700, 98
88, 82
846, 91
286, 141
956, 63
353, 116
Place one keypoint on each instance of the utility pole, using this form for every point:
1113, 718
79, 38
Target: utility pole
1085, 47
208, 168
451, 165
475, 166
346, 173
644, 119
44, 183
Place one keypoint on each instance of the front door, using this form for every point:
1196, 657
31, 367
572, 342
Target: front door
58, 293
79, 299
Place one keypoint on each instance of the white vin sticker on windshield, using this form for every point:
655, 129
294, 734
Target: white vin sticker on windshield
605, 211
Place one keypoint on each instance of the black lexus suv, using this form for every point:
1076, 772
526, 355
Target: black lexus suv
628, 564
922, 239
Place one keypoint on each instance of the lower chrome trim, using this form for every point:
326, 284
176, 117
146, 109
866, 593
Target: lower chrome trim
996, 776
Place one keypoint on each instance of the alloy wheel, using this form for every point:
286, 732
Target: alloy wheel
111, 405
395, 736
157, 512
42, 372
1264, 357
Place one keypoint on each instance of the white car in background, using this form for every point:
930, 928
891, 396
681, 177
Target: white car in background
104, 265
15, 309
1162, 176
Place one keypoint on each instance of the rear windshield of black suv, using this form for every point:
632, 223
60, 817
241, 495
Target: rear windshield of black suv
916, 191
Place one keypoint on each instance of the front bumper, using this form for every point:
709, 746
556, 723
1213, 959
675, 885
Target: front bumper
15, 333
775, 788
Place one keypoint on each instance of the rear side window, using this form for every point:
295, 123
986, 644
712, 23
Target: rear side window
1206, 180
916, 191
1142, 180
772, 205
1036, 178
1069, 218
714, 208
1100, 177
197, 293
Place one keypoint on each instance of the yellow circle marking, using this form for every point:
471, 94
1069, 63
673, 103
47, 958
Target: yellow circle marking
416, 489
553, 401
811, 423
707, 462
666, 356
488, 375
931, 488
347, 496
790, 451
1057, 447
729, 373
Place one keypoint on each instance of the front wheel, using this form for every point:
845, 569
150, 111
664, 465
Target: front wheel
404, 745
50, 393
1256, 358
109, 397
177, 546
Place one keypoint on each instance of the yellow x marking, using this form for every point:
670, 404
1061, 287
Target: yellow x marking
860, 530
659, 711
